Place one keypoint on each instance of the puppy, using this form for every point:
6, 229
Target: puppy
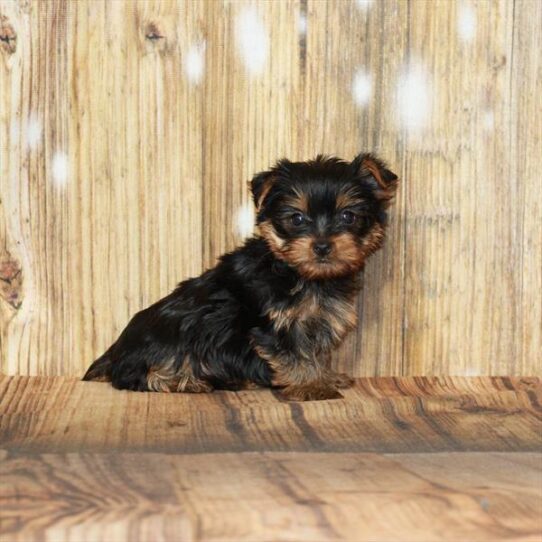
270, 313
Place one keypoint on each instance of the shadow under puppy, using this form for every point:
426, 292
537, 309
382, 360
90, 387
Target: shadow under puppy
271, 311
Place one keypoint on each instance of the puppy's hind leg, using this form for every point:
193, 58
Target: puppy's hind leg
173, 376
189, 382
129, 372
100, 370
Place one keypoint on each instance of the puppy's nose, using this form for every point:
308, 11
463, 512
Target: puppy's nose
321, 248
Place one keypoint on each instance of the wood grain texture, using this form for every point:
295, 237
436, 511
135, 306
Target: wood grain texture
399, 415
128, 132
398, 459
270, 496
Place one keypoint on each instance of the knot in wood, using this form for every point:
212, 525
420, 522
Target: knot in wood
153, 33
8, 36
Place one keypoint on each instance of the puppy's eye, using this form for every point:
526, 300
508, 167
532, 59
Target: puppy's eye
297, 219
348, 217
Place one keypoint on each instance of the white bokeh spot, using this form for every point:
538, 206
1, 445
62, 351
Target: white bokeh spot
364, 4
33, 132
362, 87
414, 97
466, 22
194, 63
252, 40
60, 168
302, 25
488, 120
245, 220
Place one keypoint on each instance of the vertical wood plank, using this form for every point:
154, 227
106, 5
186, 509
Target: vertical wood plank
460, 295
37, 212
526, 146
14, 226
147, 191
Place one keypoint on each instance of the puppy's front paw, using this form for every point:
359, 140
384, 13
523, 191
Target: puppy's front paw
341, 380
311, 392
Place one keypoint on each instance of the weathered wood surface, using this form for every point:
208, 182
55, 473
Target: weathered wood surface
377, 415
270, 496
397, 459
128, 131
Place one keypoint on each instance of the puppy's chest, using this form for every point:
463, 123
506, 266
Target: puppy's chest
315, 314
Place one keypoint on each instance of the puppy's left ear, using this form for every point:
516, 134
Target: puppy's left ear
262, 183
260, 186
374, 171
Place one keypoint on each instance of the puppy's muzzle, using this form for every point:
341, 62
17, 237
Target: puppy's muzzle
321, 248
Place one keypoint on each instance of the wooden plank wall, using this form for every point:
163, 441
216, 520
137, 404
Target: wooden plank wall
128, 131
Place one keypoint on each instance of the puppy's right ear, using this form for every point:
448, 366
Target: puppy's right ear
260, 186
374, 171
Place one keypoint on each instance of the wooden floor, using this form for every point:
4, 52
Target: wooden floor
413, 459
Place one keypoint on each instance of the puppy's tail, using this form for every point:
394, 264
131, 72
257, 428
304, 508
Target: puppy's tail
100, 370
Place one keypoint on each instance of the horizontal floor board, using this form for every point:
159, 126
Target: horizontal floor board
271, 496
393, 415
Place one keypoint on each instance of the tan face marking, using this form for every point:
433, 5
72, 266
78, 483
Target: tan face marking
275, 243
373, 240
298, 201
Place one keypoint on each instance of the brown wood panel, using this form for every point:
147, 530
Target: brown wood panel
271, 496
459, 235
81, 461
397, 415
129, 130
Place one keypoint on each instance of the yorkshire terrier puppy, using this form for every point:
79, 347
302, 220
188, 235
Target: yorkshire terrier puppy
270, 312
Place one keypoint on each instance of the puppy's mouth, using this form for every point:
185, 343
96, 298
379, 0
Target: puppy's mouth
322, 259
325, 261
341, 258
325, 269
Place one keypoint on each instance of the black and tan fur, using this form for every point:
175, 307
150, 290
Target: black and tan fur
270, 312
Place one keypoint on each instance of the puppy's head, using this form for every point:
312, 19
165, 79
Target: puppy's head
325, 216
